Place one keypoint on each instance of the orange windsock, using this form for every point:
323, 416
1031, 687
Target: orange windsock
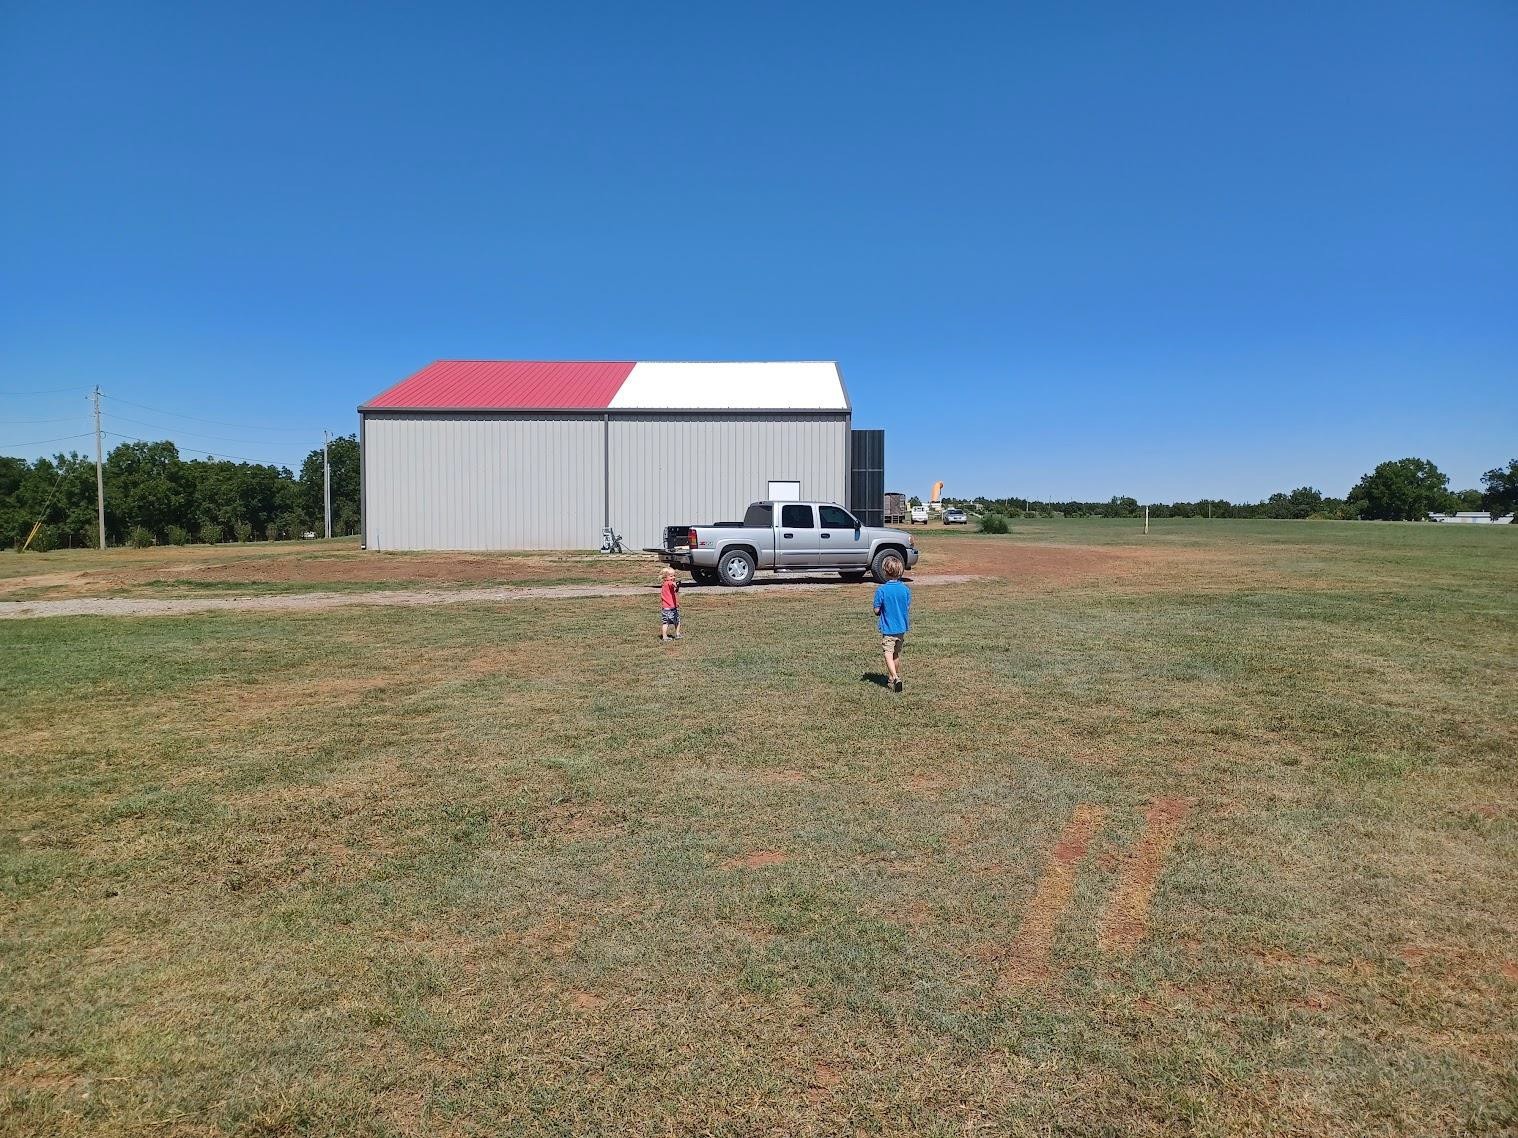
937, 490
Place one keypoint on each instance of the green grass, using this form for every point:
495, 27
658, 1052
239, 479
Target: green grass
479, 870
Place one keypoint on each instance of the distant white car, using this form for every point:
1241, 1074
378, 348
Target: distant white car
919, 515
954, 516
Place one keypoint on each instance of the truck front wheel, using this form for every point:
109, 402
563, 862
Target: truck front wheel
736, 568
877, 567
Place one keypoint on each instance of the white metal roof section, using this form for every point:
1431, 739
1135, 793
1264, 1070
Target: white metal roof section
806, 385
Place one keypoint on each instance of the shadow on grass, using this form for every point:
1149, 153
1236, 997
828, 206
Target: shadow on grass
822, 578
879, 679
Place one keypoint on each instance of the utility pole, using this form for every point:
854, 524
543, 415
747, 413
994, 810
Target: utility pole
99, 471
327, 481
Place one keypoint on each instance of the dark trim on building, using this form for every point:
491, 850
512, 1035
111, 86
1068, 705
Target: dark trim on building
612, 412
363, 488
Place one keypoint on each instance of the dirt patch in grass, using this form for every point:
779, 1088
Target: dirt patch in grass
925, 784
823, 1079
1128, 913
586, 1001
154, 572
1029, 961
783, 777
756, 860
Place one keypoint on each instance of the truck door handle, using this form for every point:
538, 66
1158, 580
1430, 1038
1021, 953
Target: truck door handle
788, 535
826, 536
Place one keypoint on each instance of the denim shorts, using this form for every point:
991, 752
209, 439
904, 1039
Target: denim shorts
669, 616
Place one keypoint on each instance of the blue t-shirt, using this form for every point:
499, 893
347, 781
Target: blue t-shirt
893, 599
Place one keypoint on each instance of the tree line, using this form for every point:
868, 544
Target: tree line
154, 497
1404, 489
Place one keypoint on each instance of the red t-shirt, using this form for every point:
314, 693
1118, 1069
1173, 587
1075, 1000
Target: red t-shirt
669, 593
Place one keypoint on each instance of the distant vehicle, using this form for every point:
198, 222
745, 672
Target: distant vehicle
954, 516
895, 509
794, 536
919, 515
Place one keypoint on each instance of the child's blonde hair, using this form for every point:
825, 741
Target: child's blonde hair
669, 571
892, 567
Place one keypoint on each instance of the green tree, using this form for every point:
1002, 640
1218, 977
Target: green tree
344, 458
1304, 501
1501, 495
1405, 489
144, 487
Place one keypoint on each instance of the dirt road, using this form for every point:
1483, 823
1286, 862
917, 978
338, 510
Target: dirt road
308, 602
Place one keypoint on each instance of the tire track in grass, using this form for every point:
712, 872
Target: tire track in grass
1127, 919
1030, 959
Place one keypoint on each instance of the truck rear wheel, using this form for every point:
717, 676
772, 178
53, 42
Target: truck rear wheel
736, 568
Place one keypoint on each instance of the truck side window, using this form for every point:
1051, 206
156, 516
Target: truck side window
761, 514
796, 517
834, 517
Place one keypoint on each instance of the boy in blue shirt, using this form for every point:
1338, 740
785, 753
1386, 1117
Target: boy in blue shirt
893, 603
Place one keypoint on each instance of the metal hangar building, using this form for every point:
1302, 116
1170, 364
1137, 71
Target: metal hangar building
508, 454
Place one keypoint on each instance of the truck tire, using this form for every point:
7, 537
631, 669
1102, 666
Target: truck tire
877, 567
705, 576
736, 568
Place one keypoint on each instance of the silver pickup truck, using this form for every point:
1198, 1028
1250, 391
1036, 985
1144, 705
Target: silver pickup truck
786, 536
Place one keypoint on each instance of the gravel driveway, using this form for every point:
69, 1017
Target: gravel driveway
307, 602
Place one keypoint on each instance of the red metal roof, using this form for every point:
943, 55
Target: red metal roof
482, 384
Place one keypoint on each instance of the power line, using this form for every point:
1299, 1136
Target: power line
39, 442
182, 431
41, 391
35, 422
195, 419
210, 454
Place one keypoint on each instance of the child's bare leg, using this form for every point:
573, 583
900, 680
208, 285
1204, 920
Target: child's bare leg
890, 655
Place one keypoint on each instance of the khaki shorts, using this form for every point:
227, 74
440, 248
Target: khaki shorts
893, 644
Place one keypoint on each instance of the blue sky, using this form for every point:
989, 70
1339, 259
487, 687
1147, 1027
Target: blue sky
1066, 250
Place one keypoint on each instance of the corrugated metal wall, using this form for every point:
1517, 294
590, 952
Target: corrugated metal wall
667, 470
482, 482
520, 481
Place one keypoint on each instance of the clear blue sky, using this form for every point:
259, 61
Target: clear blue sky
1063, 249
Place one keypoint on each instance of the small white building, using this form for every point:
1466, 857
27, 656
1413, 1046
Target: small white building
1471, 517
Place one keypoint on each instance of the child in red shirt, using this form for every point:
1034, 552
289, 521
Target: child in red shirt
669, 605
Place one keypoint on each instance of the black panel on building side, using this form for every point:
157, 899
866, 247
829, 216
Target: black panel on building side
867, 476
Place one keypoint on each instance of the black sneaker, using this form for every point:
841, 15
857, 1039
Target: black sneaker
896, 686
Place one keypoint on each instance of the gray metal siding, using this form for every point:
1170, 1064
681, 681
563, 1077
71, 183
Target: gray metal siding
482, 481
708, 468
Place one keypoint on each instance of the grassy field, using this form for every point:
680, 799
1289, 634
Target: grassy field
1209, 832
